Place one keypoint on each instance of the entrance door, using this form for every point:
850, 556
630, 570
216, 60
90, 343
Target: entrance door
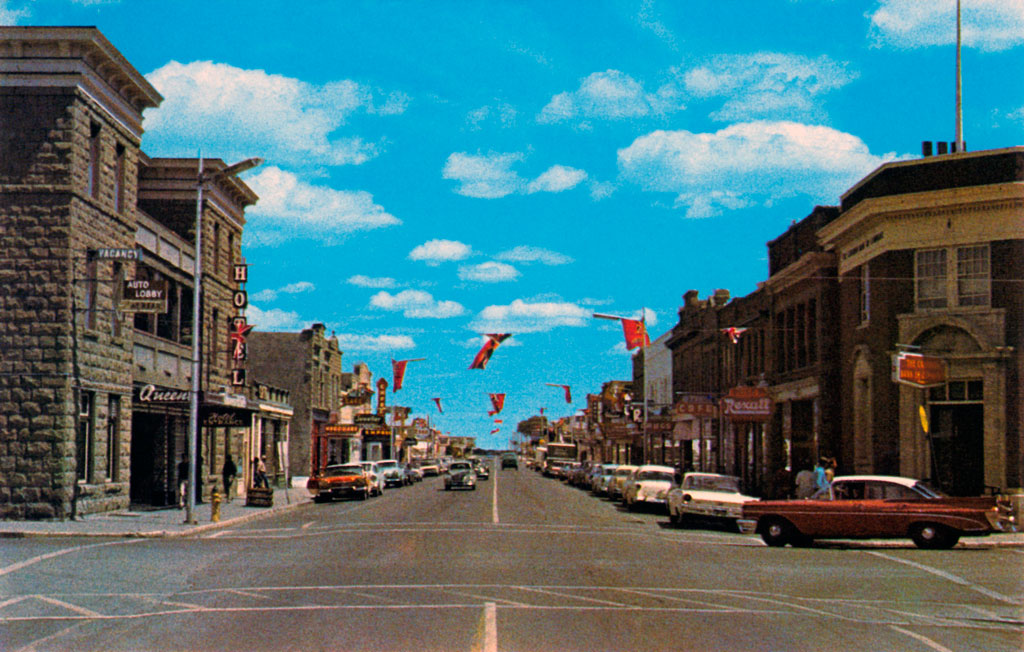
145, 433
958, 436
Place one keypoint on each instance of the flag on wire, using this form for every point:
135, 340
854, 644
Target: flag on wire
734, 333
482, 356
635, 331
568, 394
498, 401
495, 430
437, 401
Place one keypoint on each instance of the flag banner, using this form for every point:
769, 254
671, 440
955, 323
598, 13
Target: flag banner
734, 333
568, 394
495, 430
437, 401
398, 371
498, 401
635, 331
542, 411
484, 355
499, 421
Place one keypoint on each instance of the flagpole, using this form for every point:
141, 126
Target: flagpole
959, 129
644, 348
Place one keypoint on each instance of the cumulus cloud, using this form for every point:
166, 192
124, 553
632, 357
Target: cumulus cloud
527, 254
10, 16
747, 164
486, 177
522, 317
608, 95
988, 25
274, 319
502, 114
435, 252
556, 179
379, 283
289, 207
416, 304
236, 113
767, 84
291, 288
489, 272
374, 343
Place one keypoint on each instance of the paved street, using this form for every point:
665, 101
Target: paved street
522, 563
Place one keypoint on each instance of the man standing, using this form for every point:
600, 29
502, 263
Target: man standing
228, 473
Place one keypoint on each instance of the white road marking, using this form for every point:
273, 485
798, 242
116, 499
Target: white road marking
57, 553
494, 502
88, 613
573, 597
924, 639
490, 627
949, 576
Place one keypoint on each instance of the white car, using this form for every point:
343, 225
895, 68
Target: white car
707, 495
617, 483
376, 475
394, 474
648, 485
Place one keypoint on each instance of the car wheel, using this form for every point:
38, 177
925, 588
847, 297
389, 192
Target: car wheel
777, 532
930, 536
362, 495
674, 518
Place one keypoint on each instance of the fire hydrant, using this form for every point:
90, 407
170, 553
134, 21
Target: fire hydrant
215, 507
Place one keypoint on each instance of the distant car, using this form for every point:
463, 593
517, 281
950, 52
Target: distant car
482, 472
602, 476
376, 478
509, 461
617, 483
394, 473
430, 466
460, 474
648, 486
706, 495
339, 481
872, 506
414, 472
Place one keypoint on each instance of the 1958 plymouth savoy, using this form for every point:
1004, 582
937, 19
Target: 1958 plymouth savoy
871, 506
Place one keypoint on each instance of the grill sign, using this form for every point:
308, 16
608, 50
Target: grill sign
141, 295
918, 370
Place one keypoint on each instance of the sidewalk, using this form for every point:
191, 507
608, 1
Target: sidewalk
162, 522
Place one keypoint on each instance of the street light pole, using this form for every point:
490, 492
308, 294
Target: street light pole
197, 282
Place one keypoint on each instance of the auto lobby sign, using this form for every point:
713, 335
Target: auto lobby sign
747, 404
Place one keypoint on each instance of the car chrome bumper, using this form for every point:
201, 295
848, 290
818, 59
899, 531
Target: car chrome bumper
746, 525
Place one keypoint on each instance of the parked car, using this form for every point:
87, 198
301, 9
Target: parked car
376, 478
706, 495
878, 507
617, 483
339, 481
601, 478
460, 474
430, 466
648, 485
414, 472
394, 473
509, 461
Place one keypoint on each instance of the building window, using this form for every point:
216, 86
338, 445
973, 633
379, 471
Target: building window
216, 250
113, 437
118, 289
91, 293
972, 276
93, 179
812, 331
865, 294
119, 178
930, 278
84, 435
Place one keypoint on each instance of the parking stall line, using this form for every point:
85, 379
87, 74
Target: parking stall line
949, 576
919, 637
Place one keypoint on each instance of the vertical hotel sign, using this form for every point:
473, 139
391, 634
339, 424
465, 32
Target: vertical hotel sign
239, 330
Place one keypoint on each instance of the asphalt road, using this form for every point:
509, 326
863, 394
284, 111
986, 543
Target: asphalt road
522, 563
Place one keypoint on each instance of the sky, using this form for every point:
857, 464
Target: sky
435, 171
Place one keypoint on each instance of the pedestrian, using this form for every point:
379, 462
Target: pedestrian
228, 473
805, 483
261, 472
821, 481
182, 482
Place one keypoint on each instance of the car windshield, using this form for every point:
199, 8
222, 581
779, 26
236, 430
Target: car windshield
662, 476
725, 483
621, 471
344, 469
388, 464
460, 466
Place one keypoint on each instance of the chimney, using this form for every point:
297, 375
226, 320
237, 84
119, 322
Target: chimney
690, 298
720, 298
926, 148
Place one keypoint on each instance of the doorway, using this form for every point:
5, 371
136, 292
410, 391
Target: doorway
958, 446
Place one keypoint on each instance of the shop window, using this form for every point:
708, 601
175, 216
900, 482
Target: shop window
84, 435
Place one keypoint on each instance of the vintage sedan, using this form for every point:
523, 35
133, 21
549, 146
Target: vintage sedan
376, 478
460, 474
617, 483
601, 479
394, 474
869, 506
648, 486
706, 495
339, 481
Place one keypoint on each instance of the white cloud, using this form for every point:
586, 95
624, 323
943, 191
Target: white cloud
238, 113
489, 272
608, 95
502, 113
289, 207
274, 319
435, 252
746, 164
526, 254
988, 25
349, 342
291, 288
416, 304
486, 177
378, 283
556, 179
10, 16
601, 190
767, 84
523, 317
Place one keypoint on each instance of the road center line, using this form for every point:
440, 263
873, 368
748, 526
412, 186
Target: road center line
948, 576
490, 627
494, 498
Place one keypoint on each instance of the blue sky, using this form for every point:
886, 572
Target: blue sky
439, 170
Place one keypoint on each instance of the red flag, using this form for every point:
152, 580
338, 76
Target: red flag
398, 371
482, 356
438, 402
734, 333
495, 430
499, 421
498, 401
636, 333
568, 395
